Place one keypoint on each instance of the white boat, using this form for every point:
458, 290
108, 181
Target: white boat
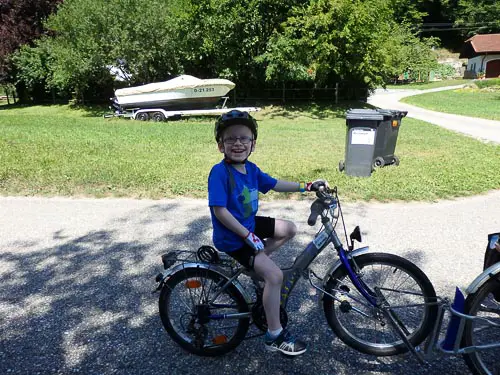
183, 92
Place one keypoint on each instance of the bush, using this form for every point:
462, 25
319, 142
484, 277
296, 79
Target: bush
445, 71
487, 83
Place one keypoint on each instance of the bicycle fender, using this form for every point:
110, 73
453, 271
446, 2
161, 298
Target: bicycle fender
338, 263
487, 274
182, 267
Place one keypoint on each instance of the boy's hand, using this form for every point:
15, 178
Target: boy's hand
254, 242
315, 185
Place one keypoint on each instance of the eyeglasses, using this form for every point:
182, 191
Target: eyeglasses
243, 140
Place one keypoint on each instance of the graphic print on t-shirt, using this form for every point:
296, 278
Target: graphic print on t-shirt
249, 200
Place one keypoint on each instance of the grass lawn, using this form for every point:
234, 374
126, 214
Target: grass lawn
53, 150
430, 85
467, 102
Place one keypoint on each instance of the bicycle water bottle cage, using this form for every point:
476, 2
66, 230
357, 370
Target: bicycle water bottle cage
207, 254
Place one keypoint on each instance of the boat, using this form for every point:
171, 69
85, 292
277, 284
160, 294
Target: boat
182, 92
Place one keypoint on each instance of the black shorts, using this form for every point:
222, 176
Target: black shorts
264, 228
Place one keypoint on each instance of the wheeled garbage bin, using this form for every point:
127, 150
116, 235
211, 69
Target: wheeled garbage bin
387, 136
370, 140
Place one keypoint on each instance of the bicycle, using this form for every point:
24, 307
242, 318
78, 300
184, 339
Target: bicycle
207, 311
473, 329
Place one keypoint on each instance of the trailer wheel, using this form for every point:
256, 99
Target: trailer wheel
158, 117
143, 116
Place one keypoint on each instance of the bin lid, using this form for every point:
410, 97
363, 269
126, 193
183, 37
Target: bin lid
392, 112
364, 114
373, 114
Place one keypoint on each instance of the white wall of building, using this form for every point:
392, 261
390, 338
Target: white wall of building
478, 64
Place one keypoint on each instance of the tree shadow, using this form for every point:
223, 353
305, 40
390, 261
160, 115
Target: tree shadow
92, 110
314, 110
85, 306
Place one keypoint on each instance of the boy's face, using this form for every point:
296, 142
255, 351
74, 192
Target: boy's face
237, 142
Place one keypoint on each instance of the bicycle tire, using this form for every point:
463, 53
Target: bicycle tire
373, 334
182, 298
482, 304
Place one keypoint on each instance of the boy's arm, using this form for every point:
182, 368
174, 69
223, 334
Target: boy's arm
286, 186
289, 186
229, 221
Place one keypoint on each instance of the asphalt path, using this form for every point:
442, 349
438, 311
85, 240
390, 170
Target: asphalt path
76, 277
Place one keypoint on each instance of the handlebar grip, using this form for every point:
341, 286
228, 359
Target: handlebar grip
311, 221
316, 209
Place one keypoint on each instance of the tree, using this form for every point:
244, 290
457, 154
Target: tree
357, 42
362, 42
21, 22
91, 36
478, 17
224, 37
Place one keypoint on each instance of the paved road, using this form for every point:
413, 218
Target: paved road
76, 277
485, 130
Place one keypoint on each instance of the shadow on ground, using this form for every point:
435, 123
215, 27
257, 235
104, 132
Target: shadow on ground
85, 306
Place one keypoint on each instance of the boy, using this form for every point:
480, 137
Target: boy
233, 190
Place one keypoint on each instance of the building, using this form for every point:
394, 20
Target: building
483, 52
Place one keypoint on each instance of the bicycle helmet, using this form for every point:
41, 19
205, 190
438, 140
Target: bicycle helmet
234, 117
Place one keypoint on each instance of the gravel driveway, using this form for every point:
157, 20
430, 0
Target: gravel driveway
76, 277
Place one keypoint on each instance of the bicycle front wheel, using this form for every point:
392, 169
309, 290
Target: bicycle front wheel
364, 327
197, 314
483, 305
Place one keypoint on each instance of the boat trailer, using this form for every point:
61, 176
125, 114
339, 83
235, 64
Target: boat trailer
160, 114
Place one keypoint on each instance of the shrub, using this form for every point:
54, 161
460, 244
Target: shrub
487, 83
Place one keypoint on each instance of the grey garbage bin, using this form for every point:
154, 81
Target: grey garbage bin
387, 136
370, 140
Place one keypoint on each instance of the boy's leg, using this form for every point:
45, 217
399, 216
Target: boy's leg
271, 297
284, 230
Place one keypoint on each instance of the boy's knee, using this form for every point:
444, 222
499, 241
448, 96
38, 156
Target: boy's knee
276, 278
291, 229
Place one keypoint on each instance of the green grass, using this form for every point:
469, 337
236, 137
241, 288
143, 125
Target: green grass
467, 102
492, 82
430, 85
57, 151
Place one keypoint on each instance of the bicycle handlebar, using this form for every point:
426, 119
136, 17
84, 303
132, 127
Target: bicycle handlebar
316, 210
323, 201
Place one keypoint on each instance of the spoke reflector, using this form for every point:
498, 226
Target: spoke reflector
193, 284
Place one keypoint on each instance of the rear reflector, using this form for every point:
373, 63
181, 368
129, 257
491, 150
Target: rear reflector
219, 340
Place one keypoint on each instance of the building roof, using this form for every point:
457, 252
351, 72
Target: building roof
481, 44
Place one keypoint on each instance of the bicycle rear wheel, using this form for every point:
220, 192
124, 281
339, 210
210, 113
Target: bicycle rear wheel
479, 332
192, 315
364, 327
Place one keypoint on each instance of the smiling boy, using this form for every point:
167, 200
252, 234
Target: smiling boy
233, 194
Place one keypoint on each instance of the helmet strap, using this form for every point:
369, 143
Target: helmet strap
232, 162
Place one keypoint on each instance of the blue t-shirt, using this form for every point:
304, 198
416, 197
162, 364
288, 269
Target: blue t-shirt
242, 203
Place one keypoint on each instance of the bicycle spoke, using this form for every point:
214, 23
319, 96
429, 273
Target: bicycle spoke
401, 288
187, 313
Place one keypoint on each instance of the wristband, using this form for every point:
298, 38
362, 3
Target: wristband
302, 186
